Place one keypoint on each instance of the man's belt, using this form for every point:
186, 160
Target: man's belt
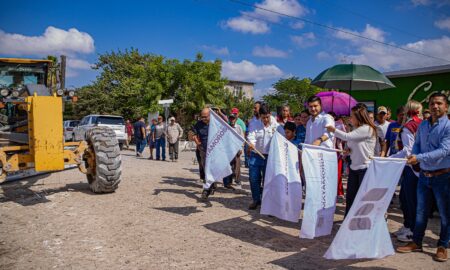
436, 172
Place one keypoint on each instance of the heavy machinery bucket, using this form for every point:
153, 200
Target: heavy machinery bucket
45, 132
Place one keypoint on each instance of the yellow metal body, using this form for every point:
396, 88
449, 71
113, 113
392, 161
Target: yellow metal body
45, 132
46, 150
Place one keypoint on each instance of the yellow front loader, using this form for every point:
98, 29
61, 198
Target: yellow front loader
31, 127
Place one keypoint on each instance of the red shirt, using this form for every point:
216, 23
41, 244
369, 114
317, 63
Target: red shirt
129, 129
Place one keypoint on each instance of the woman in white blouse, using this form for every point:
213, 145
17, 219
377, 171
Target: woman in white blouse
361, 143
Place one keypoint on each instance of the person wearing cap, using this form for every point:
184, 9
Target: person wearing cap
382, 125
174, 134
390, 147
236, 162
239, 121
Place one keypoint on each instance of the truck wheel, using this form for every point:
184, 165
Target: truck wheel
103, 160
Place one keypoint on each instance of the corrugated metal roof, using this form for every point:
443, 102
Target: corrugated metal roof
418, 71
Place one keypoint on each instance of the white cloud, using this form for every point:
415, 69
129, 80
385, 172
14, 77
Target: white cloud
248, 71
438, 3
255, 21
388, 58
421, 2
247, 25
216, 50
267, 51
368, 32
287, 7
323, 55
78, 63
305, 40
297, 25
52, 41
443, 24
260, 92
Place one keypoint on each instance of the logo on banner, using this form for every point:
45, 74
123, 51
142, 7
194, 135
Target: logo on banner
218, 136
360, 221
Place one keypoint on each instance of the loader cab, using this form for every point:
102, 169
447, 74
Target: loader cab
18, 77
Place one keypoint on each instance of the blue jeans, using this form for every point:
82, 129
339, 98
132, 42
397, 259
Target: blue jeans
408, 197
440, 187
257, 171
140, 145
161, 146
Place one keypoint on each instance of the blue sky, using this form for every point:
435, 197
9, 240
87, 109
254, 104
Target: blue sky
255, 45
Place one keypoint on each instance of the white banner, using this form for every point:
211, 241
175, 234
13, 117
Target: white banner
223, 144
282, 193
320, 167
364, 232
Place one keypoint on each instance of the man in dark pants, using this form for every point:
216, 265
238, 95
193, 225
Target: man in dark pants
432, 151
200, 137
139, 136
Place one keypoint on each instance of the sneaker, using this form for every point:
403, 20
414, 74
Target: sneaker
406, 237
410, 247
441, 254
400, 231
254, 205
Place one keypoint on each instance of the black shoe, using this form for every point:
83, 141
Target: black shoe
212, 189
150, 158
205, 194
254, 205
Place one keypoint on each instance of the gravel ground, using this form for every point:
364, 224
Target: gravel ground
155, 220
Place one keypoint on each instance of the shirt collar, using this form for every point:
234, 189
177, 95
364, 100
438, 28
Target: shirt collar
441, 120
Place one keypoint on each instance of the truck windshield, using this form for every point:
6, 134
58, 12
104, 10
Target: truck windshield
108, 120
20, 74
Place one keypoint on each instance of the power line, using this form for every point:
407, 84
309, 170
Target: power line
373, 20
338, 30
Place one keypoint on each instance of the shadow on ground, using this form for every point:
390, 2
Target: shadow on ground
21, 193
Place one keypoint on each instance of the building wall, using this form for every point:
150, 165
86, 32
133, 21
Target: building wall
234, 87
418, 88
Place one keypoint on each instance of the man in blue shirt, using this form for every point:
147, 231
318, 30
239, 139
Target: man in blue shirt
139, 135
432, 150
390, 148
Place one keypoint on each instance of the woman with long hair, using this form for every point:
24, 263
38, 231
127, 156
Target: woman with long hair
408, 188
361, 144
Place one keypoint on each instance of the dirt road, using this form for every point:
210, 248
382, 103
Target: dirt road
156, 221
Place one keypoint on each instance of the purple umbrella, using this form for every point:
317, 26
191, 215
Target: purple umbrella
337, 102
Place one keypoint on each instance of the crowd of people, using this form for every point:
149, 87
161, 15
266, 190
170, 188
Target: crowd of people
155, 135
422, 137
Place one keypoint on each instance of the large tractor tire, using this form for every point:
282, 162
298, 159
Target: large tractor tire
103, 160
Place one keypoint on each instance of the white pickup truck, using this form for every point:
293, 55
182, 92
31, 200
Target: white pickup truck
115, 123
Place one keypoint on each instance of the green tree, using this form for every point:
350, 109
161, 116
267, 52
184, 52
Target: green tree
293, 92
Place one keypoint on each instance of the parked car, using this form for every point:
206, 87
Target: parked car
116, 123
68, 126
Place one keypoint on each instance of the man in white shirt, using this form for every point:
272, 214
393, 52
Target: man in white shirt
316, 131
259, 135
